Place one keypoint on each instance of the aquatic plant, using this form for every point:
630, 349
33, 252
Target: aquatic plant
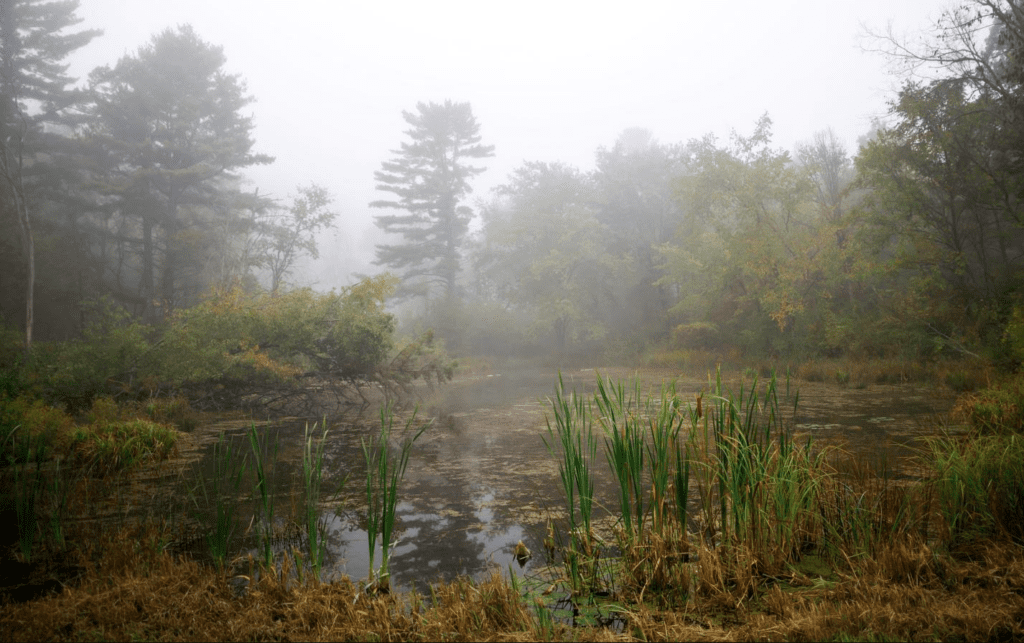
383, 476
216, 499
980, 486
312, 477
29, 453
571, 440
108, 446
264, 518
624, 447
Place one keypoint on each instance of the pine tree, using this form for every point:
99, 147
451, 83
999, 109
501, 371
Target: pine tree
170, 127
35, 95
430, 176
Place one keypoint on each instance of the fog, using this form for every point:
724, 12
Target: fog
547, 82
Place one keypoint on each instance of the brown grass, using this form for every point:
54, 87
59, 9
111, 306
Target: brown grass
957, 375
131, 590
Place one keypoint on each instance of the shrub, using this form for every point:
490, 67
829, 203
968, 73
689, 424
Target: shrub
998, 409
109, 358
27, 417
232, 337
171, 410
697, 335
11, 361
238, 336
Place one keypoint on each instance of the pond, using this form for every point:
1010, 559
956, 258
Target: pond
481, 479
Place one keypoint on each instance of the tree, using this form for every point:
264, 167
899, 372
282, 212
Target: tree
751, 237
829, 167
635, 180
544, 251
946, 205
429, 177
283, 239
171, 134
947, 176
34, 93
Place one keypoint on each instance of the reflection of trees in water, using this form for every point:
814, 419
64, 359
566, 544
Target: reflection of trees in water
442, 547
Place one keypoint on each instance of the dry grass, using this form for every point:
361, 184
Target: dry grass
957, 375
131, 590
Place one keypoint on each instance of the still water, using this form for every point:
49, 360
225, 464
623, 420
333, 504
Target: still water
481, 479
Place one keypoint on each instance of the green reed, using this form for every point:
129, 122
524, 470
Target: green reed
219, 497
312, 476
641, 444
29, 453
980, 486
261, 452
759, 490
624, 448
383, 476
665, 421
40, 493
571, 440
58, 489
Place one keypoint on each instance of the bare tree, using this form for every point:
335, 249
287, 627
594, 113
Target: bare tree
829, 167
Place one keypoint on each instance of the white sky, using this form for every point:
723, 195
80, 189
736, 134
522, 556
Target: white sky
548, 81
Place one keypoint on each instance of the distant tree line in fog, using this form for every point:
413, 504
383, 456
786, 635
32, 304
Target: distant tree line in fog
130, 188
912, 245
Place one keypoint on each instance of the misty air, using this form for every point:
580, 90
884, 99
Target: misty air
541, 321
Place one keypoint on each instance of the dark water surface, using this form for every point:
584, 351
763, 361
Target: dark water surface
481, 479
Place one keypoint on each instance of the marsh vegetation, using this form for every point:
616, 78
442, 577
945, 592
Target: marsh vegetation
664, 509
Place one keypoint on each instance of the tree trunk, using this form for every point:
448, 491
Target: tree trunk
30, 260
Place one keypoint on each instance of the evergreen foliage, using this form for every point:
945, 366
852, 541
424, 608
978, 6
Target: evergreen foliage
429, 176
169, 130
35, 102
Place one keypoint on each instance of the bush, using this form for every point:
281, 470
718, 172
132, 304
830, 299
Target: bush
110, 357
232, 337
24, 417
238, 336
998, 409
171, 410
11, 361
699, 335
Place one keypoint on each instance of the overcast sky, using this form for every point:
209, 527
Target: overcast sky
548, 81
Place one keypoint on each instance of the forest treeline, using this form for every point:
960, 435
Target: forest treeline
909, 246
123, 202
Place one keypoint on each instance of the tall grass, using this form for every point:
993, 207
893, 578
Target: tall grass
652, 468
27, 462
980, 486
312, 477
40, 491
571, 440
384, 473
264, 518
624, 448
216, 499
759, 494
